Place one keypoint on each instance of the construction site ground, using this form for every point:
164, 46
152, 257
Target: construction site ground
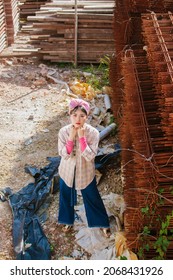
32, 110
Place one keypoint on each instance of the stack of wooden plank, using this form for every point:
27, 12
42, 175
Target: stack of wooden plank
63, 31
29, 7
3, 36
9, 22
11, 19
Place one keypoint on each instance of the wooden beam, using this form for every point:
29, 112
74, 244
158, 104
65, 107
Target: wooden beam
76, 33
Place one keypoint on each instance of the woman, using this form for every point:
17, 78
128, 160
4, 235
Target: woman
77, 146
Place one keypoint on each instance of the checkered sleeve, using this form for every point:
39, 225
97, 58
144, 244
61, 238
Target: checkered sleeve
92, 146
62, 150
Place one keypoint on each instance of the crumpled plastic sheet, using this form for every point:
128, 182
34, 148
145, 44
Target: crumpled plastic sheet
102, 160
29, 240
92, 240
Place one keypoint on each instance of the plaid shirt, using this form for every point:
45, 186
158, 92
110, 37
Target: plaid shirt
78, 165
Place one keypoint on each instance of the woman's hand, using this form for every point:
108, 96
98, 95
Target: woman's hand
72, 134
81, 132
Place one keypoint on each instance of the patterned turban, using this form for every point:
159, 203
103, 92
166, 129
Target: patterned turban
79, 102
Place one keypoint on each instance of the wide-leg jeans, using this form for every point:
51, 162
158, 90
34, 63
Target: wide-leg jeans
94, 207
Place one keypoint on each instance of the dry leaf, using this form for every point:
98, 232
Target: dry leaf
133, 256
120, 243
121, 247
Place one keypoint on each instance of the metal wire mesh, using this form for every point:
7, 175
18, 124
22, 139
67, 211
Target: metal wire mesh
143, 90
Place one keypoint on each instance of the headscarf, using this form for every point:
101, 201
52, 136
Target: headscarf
79, 102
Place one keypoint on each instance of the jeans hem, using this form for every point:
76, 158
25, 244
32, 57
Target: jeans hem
63, 223
99, 226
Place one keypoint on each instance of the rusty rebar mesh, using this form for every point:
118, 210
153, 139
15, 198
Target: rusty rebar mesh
138, 172
125, 35
121, 31
158, 28
116, 84
146, 170
138, 6
146, 102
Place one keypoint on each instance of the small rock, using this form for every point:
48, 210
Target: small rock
31, 117
28, 142
46, 130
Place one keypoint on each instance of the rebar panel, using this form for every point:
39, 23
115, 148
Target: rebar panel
150, 167
122, 38
146, 121
139, 176
163, 45
159, 28
138, 6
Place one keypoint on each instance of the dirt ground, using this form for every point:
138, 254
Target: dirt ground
32, 110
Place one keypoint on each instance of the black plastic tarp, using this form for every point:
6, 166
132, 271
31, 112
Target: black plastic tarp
29, 240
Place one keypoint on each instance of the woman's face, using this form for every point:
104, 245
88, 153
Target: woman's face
78, 118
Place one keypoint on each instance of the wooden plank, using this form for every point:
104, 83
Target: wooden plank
26, 50
76, 34
64, 33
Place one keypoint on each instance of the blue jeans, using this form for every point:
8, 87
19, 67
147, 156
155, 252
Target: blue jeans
94, 208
